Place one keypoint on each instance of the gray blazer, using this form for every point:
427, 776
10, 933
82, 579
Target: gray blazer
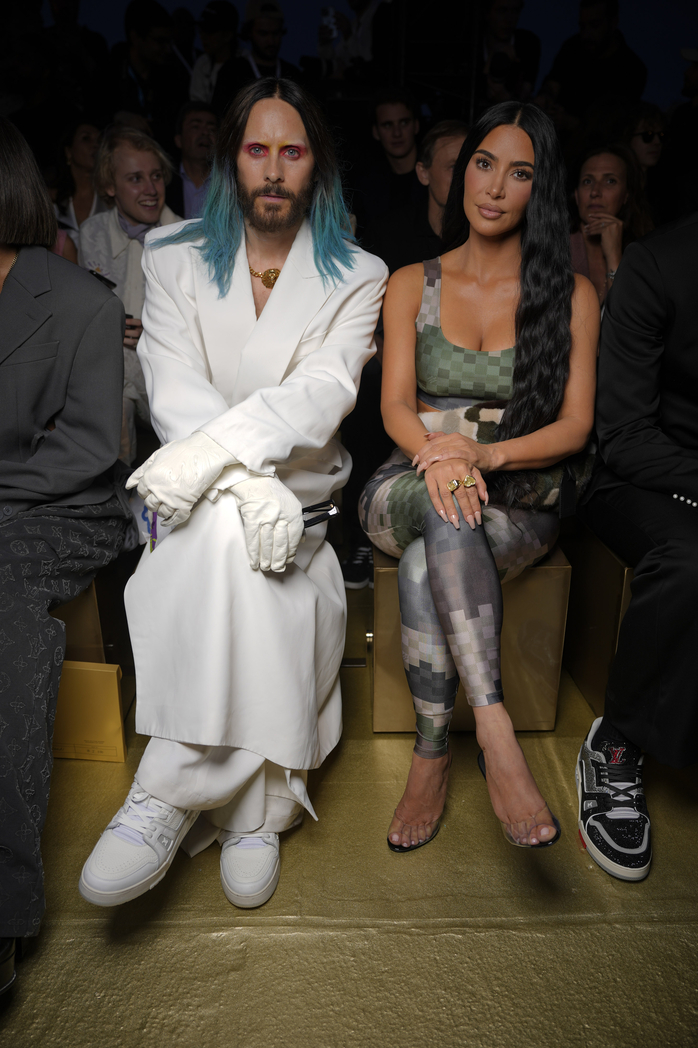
61, 378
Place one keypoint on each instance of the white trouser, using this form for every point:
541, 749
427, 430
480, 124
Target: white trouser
238, 790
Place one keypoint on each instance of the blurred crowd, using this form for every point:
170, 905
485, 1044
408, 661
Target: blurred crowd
124, 137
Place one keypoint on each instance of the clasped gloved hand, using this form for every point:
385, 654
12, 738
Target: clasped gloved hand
175, 477
273, 520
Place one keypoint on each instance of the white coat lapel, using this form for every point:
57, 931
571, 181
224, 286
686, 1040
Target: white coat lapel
226, 323
297, 296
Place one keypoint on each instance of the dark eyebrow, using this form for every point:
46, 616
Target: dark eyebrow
514, 163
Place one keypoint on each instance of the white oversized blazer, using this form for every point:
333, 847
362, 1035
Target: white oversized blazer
226, 656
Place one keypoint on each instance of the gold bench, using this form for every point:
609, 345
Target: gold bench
90, 712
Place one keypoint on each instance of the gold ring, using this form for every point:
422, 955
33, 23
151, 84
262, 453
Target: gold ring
468, 481
453, 485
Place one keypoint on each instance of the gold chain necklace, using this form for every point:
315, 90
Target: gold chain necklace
268, 277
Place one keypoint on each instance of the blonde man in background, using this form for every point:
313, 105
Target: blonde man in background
131, 172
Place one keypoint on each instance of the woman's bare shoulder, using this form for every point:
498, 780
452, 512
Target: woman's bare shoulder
408, 277
405, 287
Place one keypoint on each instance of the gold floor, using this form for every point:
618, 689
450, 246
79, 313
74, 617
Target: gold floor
468, 942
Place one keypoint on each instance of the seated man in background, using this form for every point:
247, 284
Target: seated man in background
218, 30
389, 181
594, 65
62, 515
197, 126
412, 232
262, 31
643, 503
131, 173
147, 81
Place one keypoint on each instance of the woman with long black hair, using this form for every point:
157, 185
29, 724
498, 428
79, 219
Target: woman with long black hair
499, 318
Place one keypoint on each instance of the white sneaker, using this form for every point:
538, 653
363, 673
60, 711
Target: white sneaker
136, 849
250, 868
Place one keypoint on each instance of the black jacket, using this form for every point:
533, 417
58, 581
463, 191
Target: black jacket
61, 384
647, 399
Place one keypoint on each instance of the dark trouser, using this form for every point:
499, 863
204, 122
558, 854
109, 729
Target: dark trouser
368, 444
45, 560
652, 693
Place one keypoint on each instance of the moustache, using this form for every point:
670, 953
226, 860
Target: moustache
278, 191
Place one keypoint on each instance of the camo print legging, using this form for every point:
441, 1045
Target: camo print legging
450, 587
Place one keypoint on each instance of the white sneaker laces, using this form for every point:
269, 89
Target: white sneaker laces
135, 820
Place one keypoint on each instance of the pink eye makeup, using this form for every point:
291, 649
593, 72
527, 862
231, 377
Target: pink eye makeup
294, 152
256, 149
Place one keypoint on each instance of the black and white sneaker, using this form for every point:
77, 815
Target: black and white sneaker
613, 819
357, 569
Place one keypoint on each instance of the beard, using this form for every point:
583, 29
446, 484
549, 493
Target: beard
275, 217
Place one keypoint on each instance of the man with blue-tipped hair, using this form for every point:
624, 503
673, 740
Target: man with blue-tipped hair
258, 320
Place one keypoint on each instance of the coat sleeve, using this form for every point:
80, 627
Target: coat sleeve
85, 441
181, 395
302, 414
628, 408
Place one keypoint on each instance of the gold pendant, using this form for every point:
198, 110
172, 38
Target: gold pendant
268, 277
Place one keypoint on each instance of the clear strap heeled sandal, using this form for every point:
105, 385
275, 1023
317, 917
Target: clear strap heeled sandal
520, 833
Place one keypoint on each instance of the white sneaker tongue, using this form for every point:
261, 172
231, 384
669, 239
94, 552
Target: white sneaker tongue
251, 842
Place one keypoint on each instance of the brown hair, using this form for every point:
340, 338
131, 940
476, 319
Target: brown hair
444, 129
114, 137
635, 212
26, 213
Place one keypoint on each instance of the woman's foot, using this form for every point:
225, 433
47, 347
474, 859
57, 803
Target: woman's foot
416, 818
517, 801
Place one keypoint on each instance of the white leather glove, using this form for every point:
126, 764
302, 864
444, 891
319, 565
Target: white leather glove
273, 520
175, 477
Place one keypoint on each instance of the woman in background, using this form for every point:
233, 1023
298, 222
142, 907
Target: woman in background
611, 212
76, 197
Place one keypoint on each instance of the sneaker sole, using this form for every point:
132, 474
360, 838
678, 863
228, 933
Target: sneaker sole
356, 585
622, 873
116, 898
249, 902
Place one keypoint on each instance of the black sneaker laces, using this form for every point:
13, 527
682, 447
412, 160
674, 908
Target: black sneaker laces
616, 778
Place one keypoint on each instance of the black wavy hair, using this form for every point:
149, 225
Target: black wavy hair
26, 212
544, 310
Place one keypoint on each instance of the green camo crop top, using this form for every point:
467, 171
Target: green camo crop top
449, 376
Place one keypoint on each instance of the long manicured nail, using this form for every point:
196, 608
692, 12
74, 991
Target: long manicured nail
478, 517
456, 522
415, 460
442, 513
471, 522
487, 498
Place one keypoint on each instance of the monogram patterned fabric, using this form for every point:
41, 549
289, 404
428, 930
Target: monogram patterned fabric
48, 556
